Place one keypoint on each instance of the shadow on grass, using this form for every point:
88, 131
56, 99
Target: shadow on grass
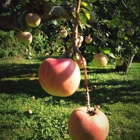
22, 79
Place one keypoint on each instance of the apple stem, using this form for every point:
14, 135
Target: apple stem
85, 82
76, 50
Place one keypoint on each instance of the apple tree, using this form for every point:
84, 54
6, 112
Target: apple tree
87, 30
111, 26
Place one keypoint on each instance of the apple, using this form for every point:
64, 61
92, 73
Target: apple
32, 19
37, 32
29, 111
76, 57
100, 60
81, 62
81, 38
119, 62
25, 37
58, 39
121, 33
78, 42
59, 77
134, 51
130, 31
88, 39
63, 33
88, 125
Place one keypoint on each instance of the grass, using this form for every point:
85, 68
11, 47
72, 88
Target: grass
118, 96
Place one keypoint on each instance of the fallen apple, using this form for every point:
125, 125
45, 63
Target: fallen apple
59, 77
24, 37
119, 62
32, 19
84, 125
100, 60
130, 31
63, 33
29, 111
88, 39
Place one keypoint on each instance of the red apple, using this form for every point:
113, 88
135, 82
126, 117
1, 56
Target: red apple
100, 60
32, 19
24, 37
119, 62
63, 33
130, 31
88, 39
59, 77
83, 125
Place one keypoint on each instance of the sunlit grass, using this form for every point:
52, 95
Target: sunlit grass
117, 94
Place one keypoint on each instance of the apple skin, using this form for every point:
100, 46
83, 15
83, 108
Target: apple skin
100, 60
59, 77
81, 38
130, 31
119, 62
85, 126
24, 37
78, 42
63, 33
32, 19
88, 39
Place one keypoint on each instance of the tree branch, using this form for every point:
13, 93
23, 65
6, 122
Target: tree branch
17, 22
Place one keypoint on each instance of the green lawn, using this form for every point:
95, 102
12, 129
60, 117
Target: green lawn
118, 96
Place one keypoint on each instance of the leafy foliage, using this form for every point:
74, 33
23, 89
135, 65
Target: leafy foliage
102, 19
9, 45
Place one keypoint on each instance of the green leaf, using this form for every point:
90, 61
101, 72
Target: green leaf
91, 48
86, 13
74, 14
87, 5
82, 18
106, 50
113, 1
112, 55
93, 1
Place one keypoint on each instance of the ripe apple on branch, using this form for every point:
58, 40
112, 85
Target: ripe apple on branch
86, 123
88, 39
32, 19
